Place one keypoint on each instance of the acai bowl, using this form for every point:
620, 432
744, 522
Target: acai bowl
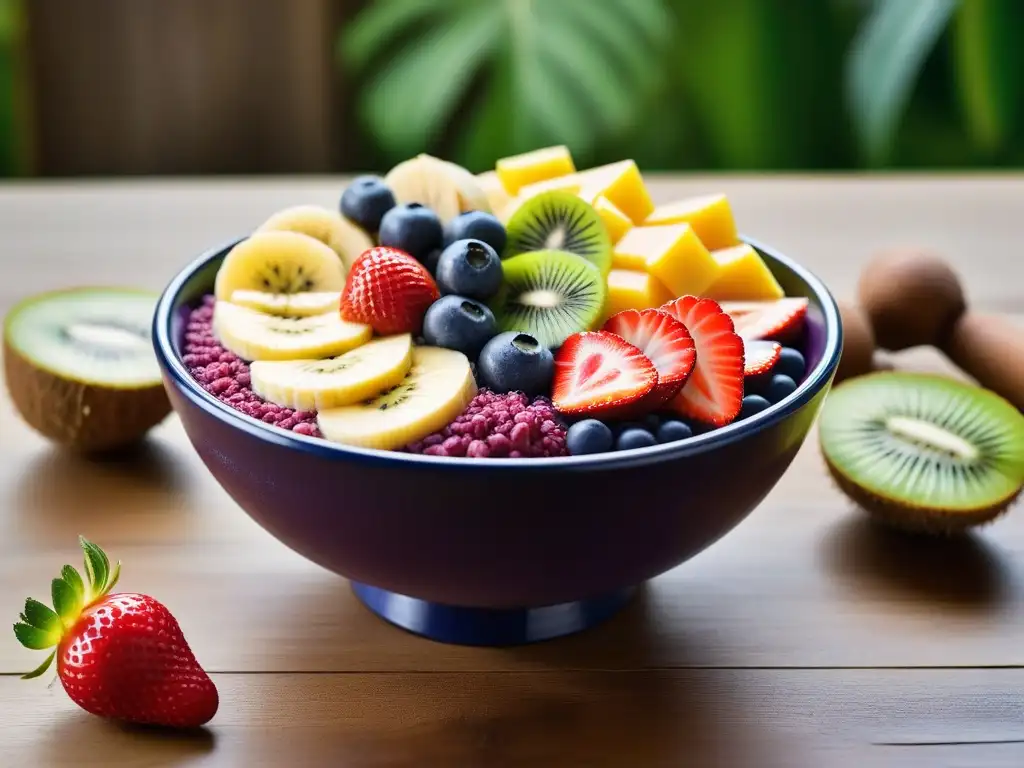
497, 404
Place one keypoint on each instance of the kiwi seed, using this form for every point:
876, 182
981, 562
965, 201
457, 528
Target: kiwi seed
80, 367
923, 452
549, 295
559, 220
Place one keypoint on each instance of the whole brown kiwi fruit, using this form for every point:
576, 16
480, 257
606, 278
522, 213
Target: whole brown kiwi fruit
911, 298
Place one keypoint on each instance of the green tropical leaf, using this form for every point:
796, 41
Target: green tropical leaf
888, 53
380, 23
570, 72
990, 69
422, 84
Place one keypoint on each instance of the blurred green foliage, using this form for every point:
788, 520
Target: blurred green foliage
11, 150
691, 84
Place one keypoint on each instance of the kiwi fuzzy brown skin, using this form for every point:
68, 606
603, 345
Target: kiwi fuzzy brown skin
935, 522
82, 417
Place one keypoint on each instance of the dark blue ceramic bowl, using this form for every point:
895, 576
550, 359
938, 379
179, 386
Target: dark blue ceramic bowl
497, 551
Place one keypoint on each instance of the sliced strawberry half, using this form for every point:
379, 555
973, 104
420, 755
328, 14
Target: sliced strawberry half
664, 341
714, 392
779, 320
759, 357
600, 374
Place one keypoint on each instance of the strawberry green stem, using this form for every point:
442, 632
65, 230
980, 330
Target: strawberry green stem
41, 627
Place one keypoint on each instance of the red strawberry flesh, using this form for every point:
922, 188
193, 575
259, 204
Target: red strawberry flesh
779, 320
600, 374
388, 290
759, 357
666, 343
714, 392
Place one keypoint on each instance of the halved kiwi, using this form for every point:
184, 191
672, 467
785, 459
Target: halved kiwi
80, 367
549, 295
923, 452
562, 221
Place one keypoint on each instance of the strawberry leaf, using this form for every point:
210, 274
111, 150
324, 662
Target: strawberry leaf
41, 617
74, 580
113, 578
41, 668
66, 601
97, 566
35, 638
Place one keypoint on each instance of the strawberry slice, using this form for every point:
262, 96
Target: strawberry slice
666, 343
600, 374
714, 392
779, 320
759, 357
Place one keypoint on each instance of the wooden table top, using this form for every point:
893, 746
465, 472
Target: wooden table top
803, 638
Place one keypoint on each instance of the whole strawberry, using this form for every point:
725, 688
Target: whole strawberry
120, 656
388, 290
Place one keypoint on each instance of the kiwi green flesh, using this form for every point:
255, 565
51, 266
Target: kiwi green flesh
923, 446
94, 336
562, 221
549, 295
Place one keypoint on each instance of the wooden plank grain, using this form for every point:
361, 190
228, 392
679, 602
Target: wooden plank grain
697, 718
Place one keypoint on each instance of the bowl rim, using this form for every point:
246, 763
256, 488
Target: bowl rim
776, 413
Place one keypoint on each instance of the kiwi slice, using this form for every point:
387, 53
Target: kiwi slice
923, 452
561, 221
549, 295
80, 367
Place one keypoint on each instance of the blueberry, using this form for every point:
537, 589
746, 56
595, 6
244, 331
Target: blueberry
514, 361
469, 268
476, 225
634, 438
365, 201
588, 436
412, 228
673, 430
791, 363
779, 388
458, 322
752, 404
651, 422
431, 261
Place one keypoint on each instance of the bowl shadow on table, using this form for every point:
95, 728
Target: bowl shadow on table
961, 573
74, 731
60, 488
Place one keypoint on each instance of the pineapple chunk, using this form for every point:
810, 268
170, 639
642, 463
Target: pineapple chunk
518, 171
673, 254
615, 221
744, 276
569, 183
622, 184
710, 216
630, 289
497, 196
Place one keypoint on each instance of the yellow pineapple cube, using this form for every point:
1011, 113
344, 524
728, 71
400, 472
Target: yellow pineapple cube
710, 216
497, 196
744, 276
631, 289
518, 171
615, 221
671, 253
622, 184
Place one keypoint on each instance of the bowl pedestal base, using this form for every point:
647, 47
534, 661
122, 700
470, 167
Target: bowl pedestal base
490, 626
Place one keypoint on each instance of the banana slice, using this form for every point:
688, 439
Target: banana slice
254, 335
329, 227
437, 388
444, 187
279, 262
288, 304
316, 385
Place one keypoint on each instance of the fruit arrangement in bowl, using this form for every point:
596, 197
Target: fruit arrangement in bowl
497, 403
532, 312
